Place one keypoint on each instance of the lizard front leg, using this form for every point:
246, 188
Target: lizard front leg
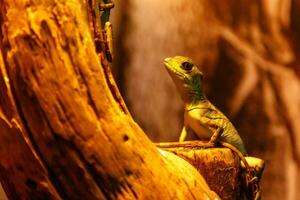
214, 138
216, 125
183, 134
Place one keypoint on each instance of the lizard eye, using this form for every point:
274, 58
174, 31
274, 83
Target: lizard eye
187, 66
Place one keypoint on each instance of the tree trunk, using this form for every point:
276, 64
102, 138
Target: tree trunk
65, 132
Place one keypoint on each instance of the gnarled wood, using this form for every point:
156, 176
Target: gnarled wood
65, 121
219, 166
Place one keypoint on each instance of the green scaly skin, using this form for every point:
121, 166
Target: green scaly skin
201, 116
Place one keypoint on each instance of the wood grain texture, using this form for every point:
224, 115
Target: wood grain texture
220, 167
21, 171
66, 120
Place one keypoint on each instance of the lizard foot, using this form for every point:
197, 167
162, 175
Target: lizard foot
208, 144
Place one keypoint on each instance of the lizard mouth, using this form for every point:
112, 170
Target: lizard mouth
173, 67
168, 64
170, 69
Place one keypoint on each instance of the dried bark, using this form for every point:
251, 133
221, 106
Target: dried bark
219, 167
64, 134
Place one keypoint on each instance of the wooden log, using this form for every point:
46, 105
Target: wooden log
65, 120
220, 167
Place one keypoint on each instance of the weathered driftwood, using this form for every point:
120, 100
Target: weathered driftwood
64, 134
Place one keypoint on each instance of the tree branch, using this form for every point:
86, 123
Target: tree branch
87, 147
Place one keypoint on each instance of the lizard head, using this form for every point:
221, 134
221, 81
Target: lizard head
186, 76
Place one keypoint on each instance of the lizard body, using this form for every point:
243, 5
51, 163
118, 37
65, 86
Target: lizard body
200, 115
208, 122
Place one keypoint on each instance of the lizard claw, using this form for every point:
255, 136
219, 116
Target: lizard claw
214, 138
209, 144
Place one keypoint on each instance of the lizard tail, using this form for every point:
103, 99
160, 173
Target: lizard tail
235, 150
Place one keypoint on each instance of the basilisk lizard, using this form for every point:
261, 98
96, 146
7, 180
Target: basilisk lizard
207, 122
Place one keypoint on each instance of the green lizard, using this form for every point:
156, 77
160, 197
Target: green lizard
200, 115
207, 122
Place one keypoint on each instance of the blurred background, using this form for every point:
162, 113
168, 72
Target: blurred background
248, 51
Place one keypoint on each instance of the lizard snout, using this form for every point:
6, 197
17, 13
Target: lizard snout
167, 59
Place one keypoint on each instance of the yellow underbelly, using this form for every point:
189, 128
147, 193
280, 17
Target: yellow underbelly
192, 121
